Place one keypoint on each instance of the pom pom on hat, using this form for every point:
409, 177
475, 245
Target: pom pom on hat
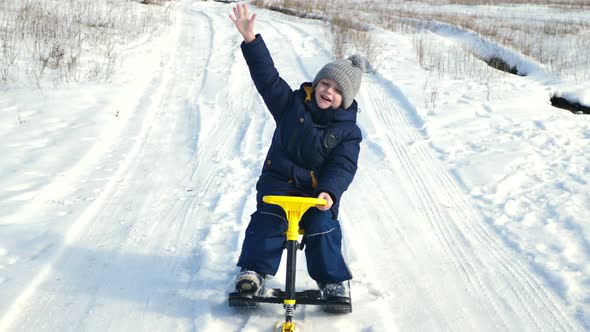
357, 61
347, 73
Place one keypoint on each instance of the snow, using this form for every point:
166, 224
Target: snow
123, 205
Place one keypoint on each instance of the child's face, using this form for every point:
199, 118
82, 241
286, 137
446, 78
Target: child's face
327, 93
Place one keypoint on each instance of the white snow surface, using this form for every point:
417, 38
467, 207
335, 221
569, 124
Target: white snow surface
123, 205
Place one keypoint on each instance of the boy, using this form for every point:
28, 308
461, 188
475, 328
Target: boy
314, 152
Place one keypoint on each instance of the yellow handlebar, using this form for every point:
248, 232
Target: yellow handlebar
294, 207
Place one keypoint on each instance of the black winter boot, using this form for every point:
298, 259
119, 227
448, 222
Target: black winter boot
337, 297
248, 281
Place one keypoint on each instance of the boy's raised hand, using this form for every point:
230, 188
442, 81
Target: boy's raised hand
244, 21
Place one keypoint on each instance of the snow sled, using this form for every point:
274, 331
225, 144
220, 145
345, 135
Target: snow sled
294, 208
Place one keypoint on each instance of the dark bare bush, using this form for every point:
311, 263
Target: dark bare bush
564, 103
500, 64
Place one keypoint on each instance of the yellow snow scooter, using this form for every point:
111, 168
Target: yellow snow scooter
294, 208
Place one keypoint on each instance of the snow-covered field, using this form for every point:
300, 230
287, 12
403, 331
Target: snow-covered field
123, 205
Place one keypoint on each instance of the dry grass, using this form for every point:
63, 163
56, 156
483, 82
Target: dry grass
260, 3
549, 39
156, 2
341, 32
563, 3
443, 59
307, 6
548, 42
431, 94
348, 36
69, 40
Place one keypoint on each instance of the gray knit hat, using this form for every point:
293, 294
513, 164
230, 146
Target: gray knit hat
347, 73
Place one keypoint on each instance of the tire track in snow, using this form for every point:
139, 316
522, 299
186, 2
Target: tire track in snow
434, 215
200, 222
153, 93
228, 161
515, 268
418, 167
153, 100
397, 137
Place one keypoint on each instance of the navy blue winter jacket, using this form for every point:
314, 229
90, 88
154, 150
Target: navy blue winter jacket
312, 150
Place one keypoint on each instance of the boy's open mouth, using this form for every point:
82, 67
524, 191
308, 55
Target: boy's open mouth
326, 98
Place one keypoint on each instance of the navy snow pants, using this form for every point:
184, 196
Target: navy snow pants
265, 241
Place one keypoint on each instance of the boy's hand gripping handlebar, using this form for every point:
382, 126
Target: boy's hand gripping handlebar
294, 207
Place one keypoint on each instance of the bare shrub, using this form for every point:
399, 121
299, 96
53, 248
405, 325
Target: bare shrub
110, 60
307, 5
500, 64
431, 94
371, 49
7, 57
340, 32
419, 45
261, 3
349, 37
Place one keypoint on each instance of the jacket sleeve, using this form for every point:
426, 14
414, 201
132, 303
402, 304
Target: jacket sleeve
275, 92
338, 171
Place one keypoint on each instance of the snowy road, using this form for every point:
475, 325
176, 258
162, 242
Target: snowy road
154, 211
